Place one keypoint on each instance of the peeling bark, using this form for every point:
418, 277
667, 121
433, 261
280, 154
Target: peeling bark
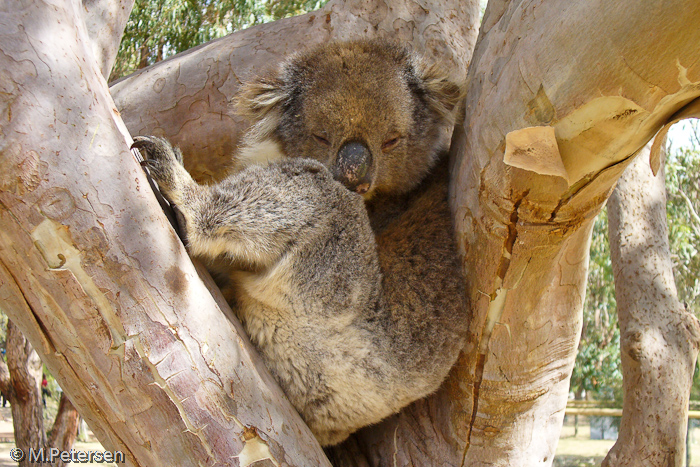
658, 336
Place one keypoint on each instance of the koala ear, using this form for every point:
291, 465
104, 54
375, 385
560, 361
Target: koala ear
442, 94
257, 98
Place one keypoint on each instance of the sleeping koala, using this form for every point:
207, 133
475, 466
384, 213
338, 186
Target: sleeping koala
333, 239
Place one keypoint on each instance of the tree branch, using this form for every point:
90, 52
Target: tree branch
105, 21
186, 97
693, 215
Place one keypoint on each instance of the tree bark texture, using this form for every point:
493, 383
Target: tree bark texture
97, 280
561, 96
658, 336
25, 394
105, 21
65, 427
186, 97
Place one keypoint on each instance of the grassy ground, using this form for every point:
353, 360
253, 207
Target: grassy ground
580, 450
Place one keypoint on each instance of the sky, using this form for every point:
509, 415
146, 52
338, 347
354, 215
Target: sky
681, 134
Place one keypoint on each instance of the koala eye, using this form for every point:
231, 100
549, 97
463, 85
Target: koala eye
390, 144
321, 140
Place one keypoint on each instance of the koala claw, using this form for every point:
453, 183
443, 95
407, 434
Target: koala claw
155, 148
164, 163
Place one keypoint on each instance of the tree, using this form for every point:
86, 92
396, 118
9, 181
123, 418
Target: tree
683, 185
20, 380
596, 371
655, 326
159, 28
559, 102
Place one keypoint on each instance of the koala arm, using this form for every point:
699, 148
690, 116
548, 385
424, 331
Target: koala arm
253, 216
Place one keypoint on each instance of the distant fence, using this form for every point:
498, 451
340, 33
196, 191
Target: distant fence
606, 412
589, 409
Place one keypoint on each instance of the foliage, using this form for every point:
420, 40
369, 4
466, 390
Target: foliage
597, 372
157, 29
683, 190
3, 330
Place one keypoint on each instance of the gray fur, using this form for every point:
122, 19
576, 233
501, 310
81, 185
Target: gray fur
356, 303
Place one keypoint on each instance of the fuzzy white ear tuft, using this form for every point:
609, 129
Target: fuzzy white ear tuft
259, 153
257, 98
444, 95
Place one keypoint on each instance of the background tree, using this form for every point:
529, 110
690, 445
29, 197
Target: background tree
683, 185
597, 371
655, 326
21, 380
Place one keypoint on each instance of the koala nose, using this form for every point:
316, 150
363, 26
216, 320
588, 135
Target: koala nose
352, 167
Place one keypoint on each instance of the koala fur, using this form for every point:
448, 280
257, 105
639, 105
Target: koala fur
333, 239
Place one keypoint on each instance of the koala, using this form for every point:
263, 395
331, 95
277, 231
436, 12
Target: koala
332, 239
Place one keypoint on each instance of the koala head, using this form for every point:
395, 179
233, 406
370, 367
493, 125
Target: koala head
372, 113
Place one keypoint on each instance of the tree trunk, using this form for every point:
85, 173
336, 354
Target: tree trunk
25, 394
561, 96
65, 427
658, 336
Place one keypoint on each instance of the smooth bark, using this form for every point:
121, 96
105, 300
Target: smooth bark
658, 336
561, 96
105, 21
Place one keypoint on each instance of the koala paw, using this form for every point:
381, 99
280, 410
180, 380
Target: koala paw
164, 163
